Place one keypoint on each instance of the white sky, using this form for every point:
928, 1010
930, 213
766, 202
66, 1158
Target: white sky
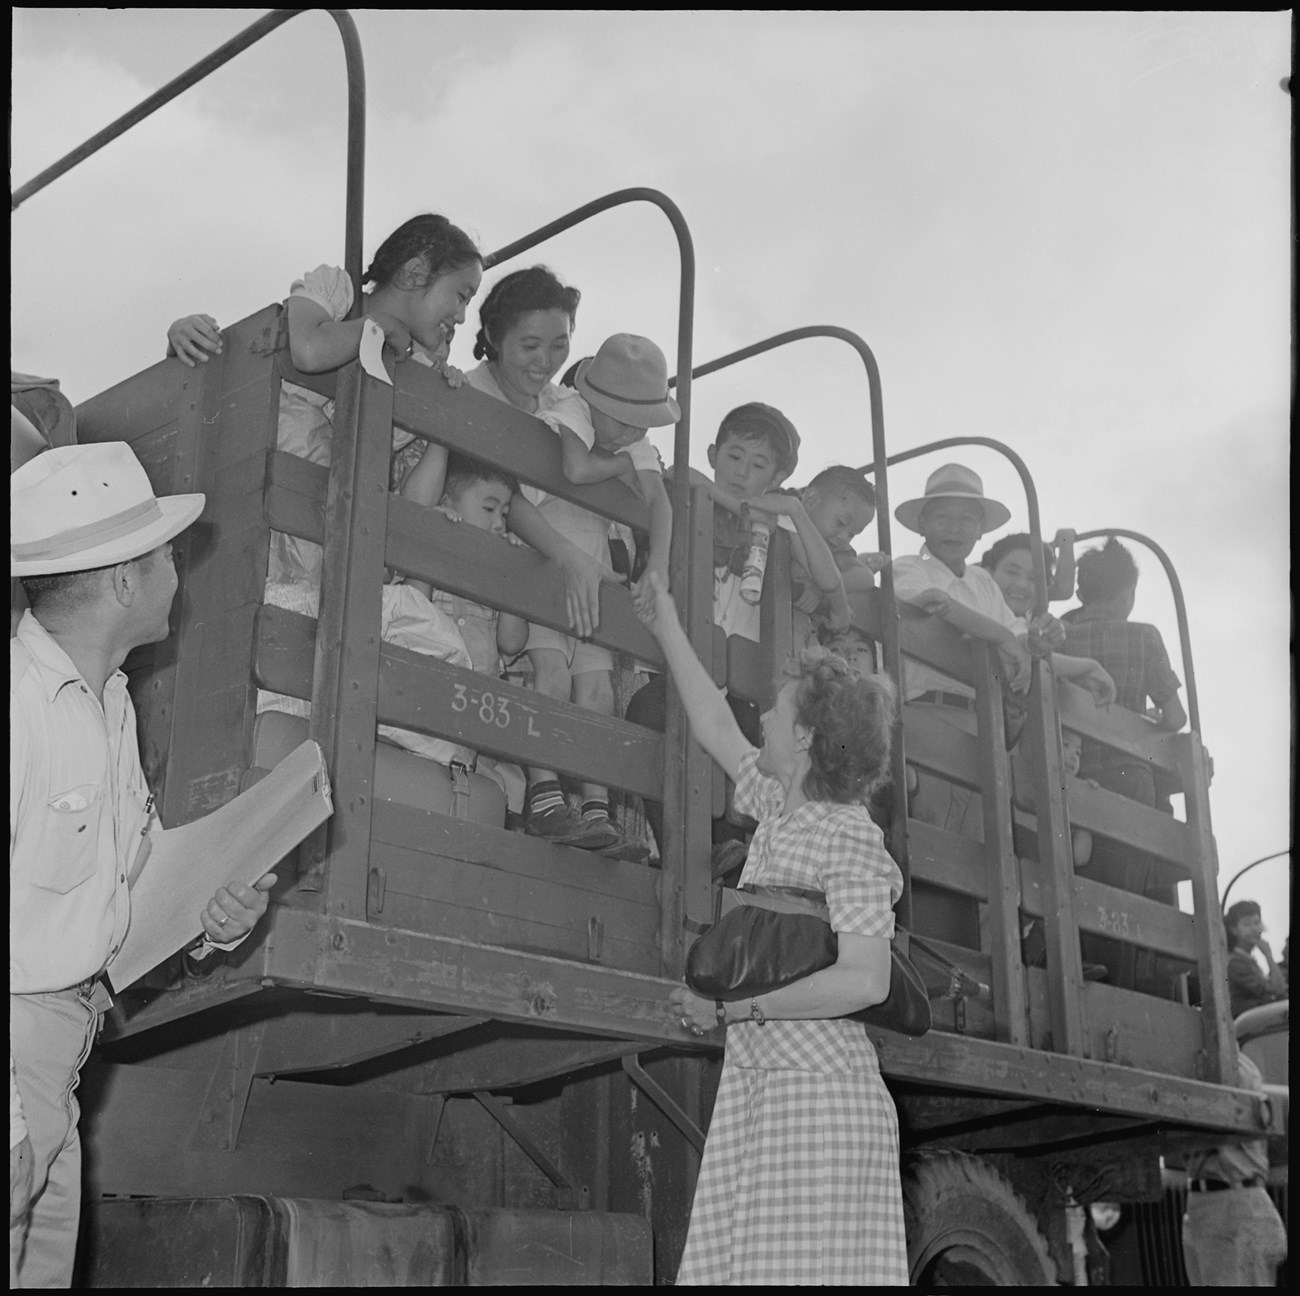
1066, 231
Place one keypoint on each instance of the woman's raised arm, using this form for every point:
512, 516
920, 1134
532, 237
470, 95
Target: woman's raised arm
712, 723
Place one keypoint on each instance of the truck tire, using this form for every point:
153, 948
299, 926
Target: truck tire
967, 1227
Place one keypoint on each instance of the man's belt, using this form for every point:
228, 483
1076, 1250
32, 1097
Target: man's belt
95, 991
1221, 1185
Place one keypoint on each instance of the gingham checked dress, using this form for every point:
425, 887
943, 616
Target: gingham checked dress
799, 1182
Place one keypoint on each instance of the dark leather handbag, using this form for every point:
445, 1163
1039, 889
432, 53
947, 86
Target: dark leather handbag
769, 937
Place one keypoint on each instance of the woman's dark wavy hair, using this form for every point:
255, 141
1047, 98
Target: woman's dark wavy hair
1242, 909
520, 292
850, 717
442, 246
996, 552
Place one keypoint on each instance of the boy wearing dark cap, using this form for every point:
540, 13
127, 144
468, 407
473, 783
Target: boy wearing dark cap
756, 449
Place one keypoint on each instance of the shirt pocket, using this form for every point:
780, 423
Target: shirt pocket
71, 846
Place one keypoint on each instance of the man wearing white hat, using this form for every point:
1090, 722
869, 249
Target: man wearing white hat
92, 546
952, 515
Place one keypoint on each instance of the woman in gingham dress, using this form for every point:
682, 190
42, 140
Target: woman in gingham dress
800, 1181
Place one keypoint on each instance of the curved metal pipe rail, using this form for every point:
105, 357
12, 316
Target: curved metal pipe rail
1180, 610
889, 618
1241, 872
204, 67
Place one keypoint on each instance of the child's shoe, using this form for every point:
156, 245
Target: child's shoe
633, 852
560, 825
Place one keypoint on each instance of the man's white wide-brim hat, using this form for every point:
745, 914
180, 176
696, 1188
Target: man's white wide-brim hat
953, 481
82, 506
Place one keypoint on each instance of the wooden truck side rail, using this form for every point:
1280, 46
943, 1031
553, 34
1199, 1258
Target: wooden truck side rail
469, 923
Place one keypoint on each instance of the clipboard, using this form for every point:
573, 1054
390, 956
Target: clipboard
182, 868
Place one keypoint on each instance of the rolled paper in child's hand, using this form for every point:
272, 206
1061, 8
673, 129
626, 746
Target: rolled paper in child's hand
751, 579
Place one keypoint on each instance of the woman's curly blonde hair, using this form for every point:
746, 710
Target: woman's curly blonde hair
850, 716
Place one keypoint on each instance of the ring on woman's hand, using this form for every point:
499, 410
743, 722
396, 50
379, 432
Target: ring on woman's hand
697, 1030
686, 1023
222, 921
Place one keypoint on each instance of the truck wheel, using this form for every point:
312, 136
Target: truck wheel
967, 1227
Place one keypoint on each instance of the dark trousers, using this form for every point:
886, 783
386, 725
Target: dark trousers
649, 707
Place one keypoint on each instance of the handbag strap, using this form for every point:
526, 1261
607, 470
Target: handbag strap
794, 900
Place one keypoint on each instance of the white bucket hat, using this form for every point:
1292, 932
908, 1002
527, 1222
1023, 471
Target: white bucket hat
953, 481
628, 380
82, 506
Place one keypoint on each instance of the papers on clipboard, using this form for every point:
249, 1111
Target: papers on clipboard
243, 840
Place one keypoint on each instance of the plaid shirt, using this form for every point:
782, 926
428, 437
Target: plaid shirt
1133, 653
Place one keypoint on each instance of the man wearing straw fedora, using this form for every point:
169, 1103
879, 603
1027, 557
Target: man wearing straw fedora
952, 515
92, 546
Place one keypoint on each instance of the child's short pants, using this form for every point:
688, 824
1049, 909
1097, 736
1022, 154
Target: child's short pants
590, 533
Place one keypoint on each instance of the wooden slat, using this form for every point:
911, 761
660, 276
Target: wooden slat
938, 645
1111, 815
946, 860
131, 409
954, 863
494, 432
494, 906
1161, 1093
398, 824
419, 693
1003, 875
401, 966
250, 349
429, 696
477, 565
1054, 852
1120, 915
950, 752
1116, 726
346, 666
941, 747
776, 630
1212, 953
458, 558
1134, 1030
295, 495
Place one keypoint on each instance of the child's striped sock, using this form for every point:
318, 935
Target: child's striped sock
595, 809
545, 796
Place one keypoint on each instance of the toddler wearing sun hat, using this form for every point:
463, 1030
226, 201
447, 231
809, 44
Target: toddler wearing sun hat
622, 392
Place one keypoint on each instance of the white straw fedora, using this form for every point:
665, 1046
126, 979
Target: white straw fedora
628, 380
953, 481
82, 506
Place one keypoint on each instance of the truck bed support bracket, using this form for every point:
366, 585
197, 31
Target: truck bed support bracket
662, 1099
572, 1197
